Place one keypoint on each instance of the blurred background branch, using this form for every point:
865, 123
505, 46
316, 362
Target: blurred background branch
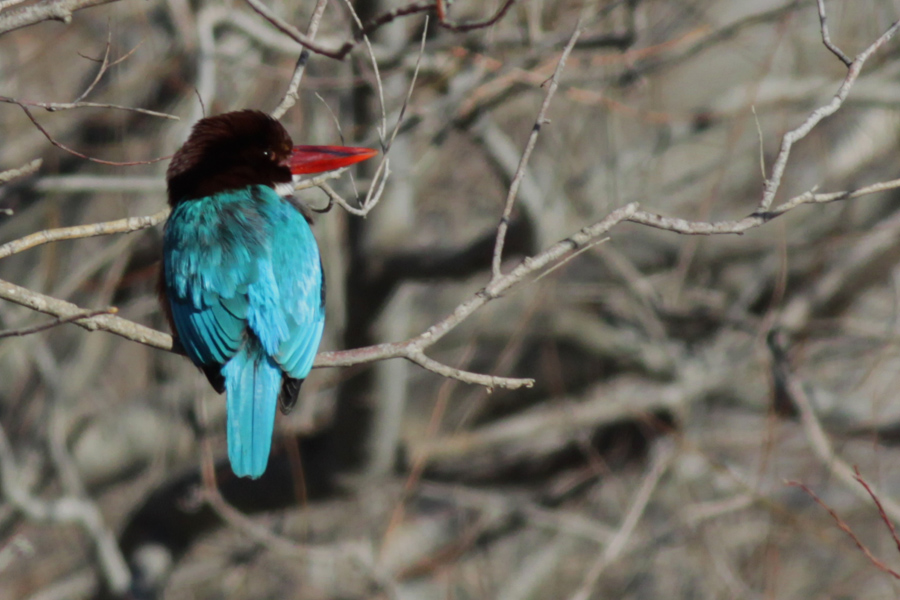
641, 397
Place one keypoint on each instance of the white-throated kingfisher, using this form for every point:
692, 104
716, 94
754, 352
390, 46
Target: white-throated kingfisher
242, 283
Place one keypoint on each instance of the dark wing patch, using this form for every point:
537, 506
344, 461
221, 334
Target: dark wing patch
290, 389
214, 375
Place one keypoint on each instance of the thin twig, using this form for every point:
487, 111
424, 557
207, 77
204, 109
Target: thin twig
104, 65
526, 155
335, 198
59, 321
291, 95
478, 24
843, 526
57, 106
488, 381
62, 146
226, 511
379, 86
379, 181
382, 173
370, 27
881, 512
373, 196
826, 37
412, 349
383, 169
412, 86
62, 309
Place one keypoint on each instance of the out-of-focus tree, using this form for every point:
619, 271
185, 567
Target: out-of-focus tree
555, 372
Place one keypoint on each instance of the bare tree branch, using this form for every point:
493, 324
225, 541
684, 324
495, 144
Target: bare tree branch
104, 66
855, 68
82, 231
52, 10
62, 146
24, 170
67, 310
126, 225
339, 53
413, 348
758, 218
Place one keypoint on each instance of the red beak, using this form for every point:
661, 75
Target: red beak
318, 159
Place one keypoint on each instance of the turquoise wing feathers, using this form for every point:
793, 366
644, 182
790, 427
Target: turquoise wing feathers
302, 299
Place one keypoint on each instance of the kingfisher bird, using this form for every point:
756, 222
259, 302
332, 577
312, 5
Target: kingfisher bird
241, 283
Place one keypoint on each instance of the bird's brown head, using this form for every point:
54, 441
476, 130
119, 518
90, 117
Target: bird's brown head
247, 147
228, 152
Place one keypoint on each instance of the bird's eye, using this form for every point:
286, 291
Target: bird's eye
267, 153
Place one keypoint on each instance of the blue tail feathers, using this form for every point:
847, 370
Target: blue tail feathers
252, 383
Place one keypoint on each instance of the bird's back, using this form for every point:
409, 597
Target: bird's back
244, 281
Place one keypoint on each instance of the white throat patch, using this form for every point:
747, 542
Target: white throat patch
285, 190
